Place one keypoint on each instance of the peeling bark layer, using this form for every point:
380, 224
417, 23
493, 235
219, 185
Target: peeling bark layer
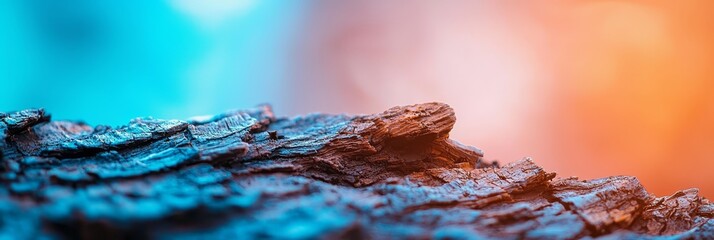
247, 174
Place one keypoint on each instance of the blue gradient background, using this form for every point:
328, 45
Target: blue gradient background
106, 62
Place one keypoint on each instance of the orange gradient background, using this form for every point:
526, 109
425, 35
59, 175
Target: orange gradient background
586, 88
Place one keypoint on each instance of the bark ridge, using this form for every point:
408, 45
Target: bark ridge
250, 174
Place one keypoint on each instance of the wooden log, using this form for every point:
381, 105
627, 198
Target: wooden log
247, 174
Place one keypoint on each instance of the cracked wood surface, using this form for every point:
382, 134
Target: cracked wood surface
248, 174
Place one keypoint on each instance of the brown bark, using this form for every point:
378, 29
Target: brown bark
248, 174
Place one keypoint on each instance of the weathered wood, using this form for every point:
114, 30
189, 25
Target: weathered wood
247, 174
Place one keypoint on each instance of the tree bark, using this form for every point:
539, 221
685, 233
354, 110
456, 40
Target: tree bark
247, 174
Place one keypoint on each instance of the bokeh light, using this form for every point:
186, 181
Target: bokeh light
586, 88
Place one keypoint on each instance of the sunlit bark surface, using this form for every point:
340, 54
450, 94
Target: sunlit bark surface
248, 174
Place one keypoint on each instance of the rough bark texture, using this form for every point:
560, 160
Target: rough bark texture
247, 174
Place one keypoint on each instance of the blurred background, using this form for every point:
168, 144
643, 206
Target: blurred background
586, 88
